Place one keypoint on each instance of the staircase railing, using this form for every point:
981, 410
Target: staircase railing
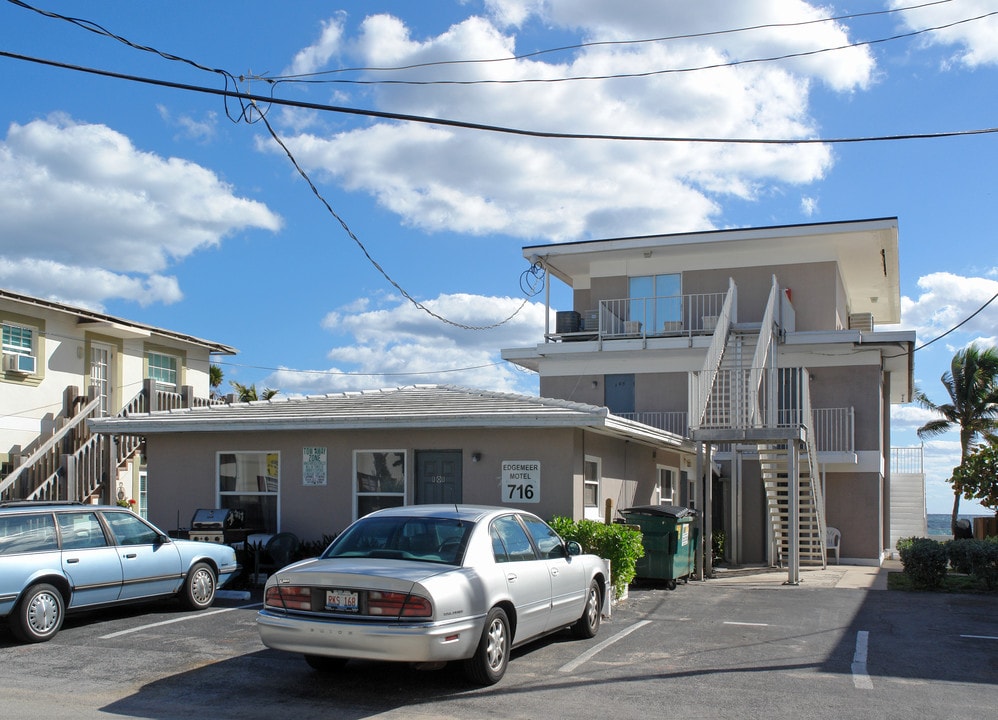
702, 382
70, 465
762, 356
43, 475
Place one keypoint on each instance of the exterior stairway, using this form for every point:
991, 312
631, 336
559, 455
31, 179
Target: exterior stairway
775, 461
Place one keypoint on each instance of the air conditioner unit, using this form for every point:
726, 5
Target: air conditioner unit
21, 364
861, 321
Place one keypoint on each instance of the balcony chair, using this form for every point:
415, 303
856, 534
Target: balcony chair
832, 539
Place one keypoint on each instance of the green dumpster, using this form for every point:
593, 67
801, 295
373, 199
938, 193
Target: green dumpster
669, 538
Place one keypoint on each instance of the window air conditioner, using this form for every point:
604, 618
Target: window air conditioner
861, 321
21, 364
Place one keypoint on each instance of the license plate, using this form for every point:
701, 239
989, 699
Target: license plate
341, 600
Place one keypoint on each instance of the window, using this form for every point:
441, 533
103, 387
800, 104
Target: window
667, 486
18, 339
510, 542
379, 480
590, 488
250, 481
81, 530
656, 301
27, 533
162, 368
546, 539
129, 530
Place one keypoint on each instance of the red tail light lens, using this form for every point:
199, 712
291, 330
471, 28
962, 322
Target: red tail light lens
393, 604
288, 597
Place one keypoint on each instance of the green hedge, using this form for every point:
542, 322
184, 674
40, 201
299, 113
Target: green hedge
975, 557
620, 544
924, 562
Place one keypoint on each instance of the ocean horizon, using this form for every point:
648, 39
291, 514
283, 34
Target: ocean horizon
939, 523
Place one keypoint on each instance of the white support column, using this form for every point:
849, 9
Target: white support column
793, 512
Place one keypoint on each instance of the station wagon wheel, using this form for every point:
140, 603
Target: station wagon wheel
39, 615
488, 664
325, 664
588, 625
199, 588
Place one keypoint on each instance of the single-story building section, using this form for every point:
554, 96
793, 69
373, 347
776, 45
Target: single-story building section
311, 465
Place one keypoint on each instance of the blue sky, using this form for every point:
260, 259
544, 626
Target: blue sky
150, 203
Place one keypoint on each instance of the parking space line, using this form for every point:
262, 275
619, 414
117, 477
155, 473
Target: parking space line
568, 667
980, 637
859, 676
748, 624
140, 628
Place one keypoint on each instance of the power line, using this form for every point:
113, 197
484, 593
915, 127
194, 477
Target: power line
445, 122
959, 324
597, 43
649, 73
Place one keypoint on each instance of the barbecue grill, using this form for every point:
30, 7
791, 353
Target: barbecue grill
219, 525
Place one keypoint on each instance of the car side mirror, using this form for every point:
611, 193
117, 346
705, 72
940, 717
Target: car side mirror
573, 548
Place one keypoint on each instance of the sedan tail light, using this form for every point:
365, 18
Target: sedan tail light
393, 604
288, 597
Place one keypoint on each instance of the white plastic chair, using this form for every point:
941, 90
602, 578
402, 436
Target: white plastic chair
832, 539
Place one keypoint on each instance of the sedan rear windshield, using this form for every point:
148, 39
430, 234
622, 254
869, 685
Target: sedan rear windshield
430, 539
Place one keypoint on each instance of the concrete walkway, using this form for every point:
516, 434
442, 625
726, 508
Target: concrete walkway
859, 577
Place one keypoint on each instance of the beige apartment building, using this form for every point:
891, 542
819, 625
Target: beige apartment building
776, 350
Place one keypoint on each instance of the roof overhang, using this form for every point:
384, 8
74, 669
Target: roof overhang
866, 252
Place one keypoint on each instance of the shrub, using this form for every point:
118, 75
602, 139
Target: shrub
619, 544
924, 562
975, 557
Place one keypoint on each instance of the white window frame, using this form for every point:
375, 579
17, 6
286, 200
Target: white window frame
175, 370
362, 460
667, 485
20, 349
271, 481
592, 512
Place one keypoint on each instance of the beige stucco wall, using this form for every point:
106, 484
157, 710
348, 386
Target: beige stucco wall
816, 291
182, 470
29, 405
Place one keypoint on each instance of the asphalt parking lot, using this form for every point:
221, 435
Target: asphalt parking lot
705, 650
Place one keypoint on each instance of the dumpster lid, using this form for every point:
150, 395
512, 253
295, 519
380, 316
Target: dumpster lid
673, 511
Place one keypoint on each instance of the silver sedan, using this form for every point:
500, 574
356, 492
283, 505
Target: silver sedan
431, 584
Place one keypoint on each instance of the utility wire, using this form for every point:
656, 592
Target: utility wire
959, 324
403, 117
596, 43
653, 73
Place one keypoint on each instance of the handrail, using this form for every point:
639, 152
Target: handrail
702, 382
762, 352
817, 491
52, 444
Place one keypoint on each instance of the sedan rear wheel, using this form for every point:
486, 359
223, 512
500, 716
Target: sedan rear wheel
491, 658
39, 615
588, 625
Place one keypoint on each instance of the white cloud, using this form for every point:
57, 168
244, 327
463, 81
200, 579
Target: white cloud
108, 204
399, 344
474, 182
947, 299
974, 40
191, 129
315, 56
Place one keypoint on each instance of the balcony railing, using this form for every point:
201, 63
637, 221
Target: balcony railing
834, 428
674, 315
907, 461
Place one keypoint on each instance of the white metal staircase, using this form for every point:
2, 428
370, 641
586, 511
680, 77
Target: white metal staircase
749, 399
775, 461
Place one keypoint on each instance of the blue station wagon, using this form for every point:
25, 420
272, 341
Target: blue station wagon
62, 557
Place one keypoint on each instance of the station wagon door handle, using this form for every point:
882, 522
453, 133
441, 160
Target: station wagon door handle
131, 556
511, 577
71, 561
554, 571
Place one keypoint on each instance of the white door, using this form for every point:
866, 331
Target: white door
100, 374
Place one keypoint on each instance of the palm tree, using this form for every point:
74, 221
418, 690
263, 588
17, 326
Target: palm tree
972, 385
247, 393
214, 379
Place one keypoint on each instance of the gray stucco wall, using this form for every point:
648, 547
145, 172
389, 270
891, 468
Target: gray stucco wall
183, 467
